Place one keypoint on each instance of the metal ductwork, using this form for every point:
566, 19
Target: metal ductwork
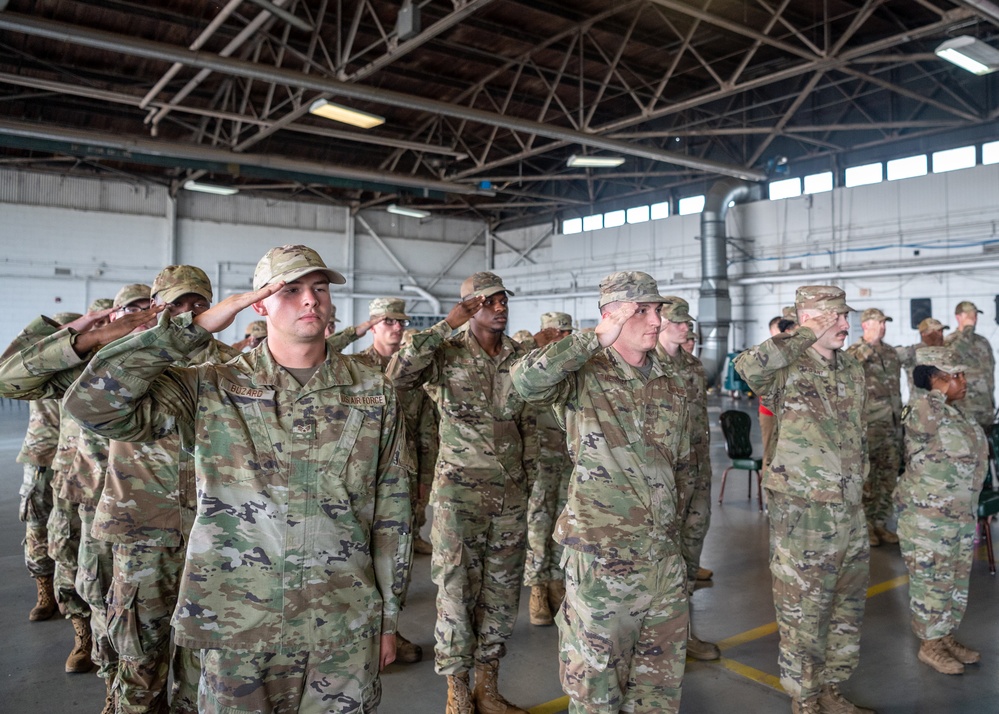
714, 309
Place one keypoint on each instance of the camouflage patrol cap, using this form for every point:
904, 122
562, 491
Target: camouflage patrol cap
942, 358
558, 320
931, 325
101, 304
821, 297
873, 313
522, 336
629, 286
290, 262
257, 328
966, 306
789, 313
482, 284
129, 294
176, 280
61, 318
677, 309
389, 307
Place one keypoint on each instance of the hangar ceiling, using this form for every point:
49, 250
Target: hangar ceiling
483, 100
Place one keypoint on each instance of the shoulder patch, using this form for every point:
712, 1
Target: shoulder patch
361, 400
248, 392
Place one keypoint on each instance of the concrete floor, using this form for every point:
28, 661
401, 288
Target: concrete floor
735, 610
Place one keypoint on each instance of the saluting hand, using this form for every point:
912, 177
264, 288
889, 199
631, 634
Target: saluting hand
362, 329
463, 311
85, 322
821, 323
219, 317
96, 338
609, 327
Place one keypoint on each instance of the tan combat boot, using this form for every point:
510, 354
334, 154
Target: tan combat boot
806, 706
111, 698
486, 694
832, 701
700, 650
421, 547
459, 696
79, 659
885, 535
963, 654
45, 608
935, 654
405, 651
704, 574
872, 535
540, 614
556, 594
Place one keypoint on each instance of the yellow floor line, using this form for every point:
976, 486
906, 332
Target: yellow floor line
742, 638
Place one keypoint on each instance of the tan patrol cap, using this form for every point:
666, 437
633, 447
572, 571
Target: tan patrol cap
61, 318
129, 294
389, 307
558, 320
966, 306
177, 280
821, 297
872, 313
677, 309
931, 325
101, 304
290, 262
525, 338
257, 328
628, 286
942, 358
482, 284
789, 313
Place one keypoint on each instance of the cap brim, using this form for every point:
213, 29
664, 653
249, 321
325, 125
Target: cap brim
172, 293
486, 292
393, 315
952, 368
335, 277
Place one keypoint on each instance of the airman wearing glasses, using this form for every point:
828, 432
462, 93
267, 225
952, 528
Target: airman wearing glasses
388, 320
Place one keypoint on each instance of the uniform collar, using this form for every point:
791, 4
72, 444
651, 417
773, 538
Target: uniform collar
265, 371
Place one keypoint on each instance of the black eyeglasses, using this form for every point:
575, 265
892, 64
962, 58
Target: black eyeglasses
390, 321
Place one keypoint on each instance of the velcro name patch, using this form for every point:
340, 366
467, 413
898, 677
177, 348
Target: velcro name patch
248, 392
360, 400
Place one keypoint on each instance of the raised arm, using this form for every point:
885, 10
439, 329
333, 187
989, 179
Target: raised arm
763, 365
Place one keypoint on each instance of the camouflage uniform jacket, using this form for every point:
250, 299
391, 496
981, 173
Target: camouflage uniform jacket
488, 434
42, 437
975, 352
695, 381
339, 341
301, 540
884, 392
907, 360
821, 454
946, 456
628, 440
372, 358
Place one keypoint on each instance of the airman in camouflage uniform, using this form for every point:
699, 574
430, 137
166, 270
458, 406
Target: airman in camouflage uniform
300, 547
976, 352
623, 624
946, 455
694, 483
931, 335
549, 489
815, 482
256, 332
487, 448
882, 371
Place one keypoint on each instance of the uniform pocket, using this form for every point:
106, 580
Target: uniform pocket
123, 623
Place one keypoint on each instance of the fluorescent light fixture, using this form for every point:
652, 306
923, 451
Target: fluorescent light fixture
210, 188
404, 211
970, 53
346, 115
594, 162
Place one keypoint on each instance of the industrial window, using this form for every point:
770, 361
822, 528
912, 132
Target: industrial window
788, 188
691, 204
613, 219
952, 159
907, 167
638, 214
659, 210
863, 175
819, 183
572, 225
990, 153
594, 222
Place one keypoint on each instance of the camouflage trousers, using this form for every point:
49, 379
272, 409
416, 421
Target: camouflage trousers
476, 565
820, 565
622, 634
548, 494
695, 507
140, 604
342, 682
938, 551
64, 549
93, 580
35, 507
884, 448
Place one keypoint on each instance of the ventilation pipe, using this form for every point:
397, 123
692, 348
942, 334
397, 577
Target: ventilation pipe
714, 309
